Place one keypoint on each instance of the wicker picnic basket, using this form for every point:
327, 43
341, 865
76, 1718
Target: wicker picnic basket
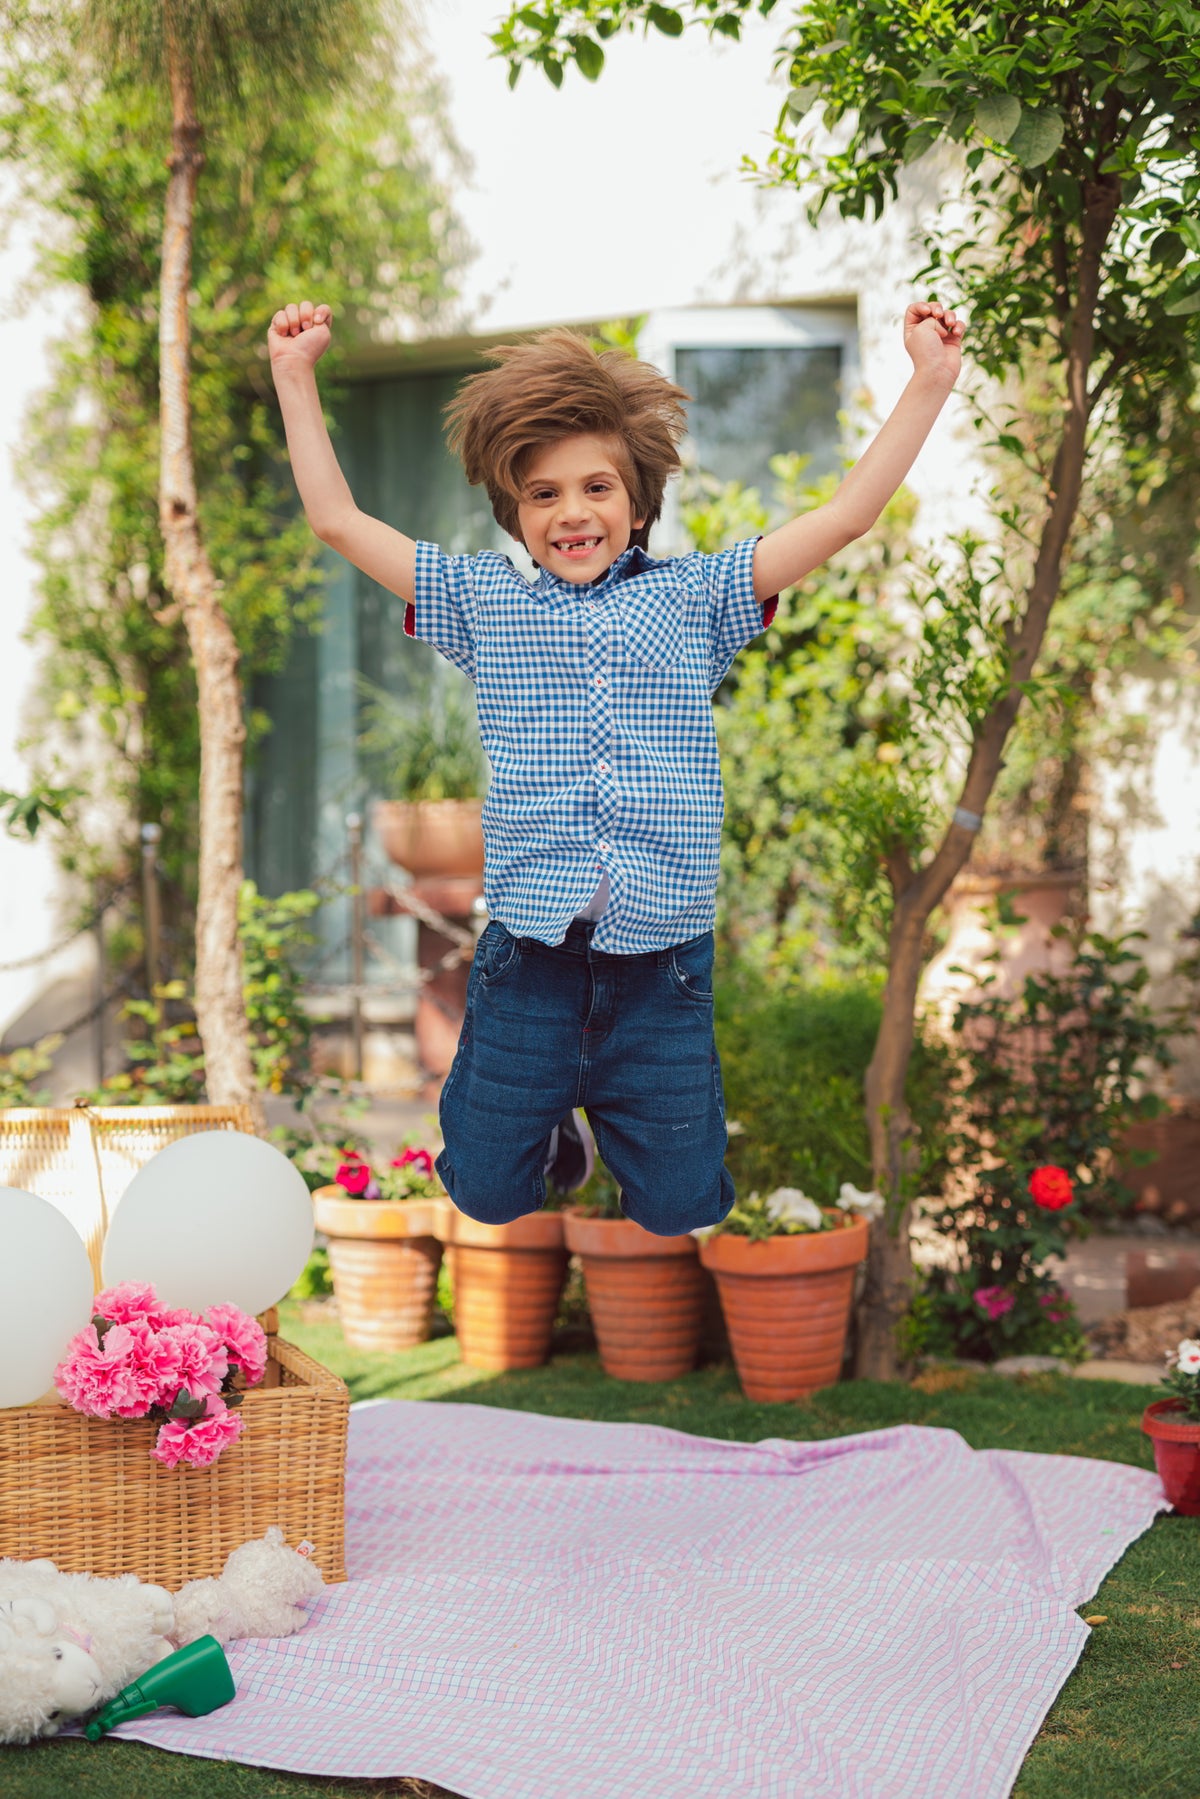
84, 1491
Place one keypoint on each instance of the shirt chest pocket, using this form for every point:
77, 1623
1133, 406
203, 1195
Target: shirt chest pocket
652, 633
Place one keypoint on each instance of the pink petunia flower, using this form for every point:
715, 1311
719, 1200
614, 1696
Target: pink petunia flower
420, 1159
354, 1175
244, 1339
199, 1441
995, 1301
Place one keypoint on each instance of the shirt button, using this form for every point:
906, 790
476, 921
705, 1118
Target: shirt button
602, 768
598, 681
603, 844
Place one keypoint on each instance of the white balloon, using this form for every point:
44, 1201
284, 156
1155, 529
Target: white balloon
215, 1218
45, 1293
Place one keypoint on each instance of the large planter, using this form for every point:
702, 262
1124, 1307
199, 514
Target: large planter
787, 1305
507, 1281
1176, 1453
384, 1257
432, 837
645, 1294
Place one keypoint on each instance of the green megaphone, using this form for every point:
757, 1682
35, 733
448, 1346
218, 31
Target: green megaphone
196, 1680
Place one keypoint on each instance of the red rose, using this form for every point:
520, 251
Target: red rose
1051, 1188
354, 1175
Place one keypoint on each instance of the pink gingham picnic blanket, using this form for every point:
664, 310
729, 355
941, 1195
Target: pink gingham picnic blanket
541, 1608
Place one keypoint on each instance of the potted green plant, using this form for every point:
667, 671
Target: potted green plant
384, 1247
785, 1272
426, 760
645, 1293
1173, 1426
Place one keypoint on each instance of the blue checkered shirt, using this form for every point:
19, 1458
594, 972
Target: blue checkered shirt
595, 709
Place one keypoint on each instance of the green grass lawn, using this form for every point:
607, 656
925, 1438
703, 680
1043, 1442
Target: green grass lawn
1125, 1726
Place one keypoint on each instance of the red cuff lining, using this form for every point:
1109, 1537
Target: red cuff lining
410, 620
770, 607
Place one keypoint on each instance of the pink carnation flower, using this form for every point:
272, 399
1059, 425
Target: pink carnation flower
198, 1441
159, 1354
995, 1301
106, 1379
203, 1363
244, 1338
128, 1301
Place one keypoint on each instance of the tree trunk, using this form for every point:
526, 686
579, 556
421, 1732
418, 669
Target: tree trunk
888, 1284
220, 1005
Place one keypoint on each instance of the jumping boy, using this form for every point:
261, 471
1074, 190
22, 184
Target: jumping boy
592, 983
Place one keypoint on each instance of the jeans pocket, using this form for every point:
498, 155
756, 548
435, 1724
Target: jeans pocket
690, 966
496, 954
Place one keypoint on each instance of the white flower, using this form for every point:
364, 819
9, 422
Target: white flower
1187, 1356
787, 1205
870, 1205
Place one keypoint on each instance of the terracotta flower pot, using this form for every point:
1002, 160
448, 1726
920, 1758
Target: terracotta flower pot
787, 1305
384, 1257
432, 837
1176, 1453
507, 1280
645, 1294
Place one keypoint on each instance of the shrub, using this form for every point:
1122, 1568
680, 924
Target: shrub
794, 1063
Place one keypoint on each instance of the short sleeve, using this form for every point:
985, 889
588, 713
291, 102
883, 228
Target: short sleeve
734, 615
443, 610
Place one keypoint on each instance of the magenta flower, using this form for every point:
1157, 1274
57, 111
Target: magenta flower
420, 1159
1052, 1304
198, 1441
354, 1175
995, 1301
244, 1339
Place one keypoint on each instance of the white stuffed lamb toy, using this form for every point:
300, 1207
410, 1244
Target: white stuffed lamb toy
70, 1642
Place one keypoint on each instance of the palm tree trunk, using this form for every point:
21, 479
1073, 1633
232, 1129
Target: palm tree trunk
220, 1006
889, 1276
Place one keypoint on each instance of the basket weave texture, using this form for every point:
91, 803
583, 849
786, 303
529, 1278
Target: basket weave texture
84, 1491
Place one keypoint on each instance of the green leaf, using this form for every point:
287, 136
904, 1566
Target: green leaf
1037, 136
728, 24
666, 20
1168, 249
802, 99
1184, 306
997, 116
835, 43
930, 78
554, 71
589, 56
919, 141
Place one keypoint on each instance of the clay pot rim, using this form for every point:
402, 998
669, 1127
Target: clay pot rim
341, 1214
1157, 1424
533, 1230
619, 1239
799, 1253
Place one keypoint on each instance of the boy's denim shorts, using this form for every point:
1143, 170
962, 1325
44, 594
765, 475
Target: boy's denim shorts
628, 1038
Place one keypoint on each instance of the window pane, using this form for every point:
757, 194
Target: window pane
752, 404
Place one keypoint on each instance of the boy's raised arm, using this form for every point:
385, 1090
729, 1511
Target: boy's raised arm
932, 337
298, 338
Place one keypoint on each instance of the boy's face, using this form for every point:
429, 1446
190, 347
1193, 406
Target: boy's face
575, 513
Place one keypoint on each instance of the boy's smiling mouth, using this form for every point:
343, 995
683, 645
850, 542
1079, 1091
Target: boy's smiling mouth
576, 548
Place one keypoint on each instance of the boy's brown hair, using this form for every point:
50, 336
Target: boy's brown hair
554, 386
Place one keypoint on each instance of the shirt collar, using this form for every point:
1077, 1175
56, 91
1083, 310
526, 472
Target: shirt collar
633, 561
